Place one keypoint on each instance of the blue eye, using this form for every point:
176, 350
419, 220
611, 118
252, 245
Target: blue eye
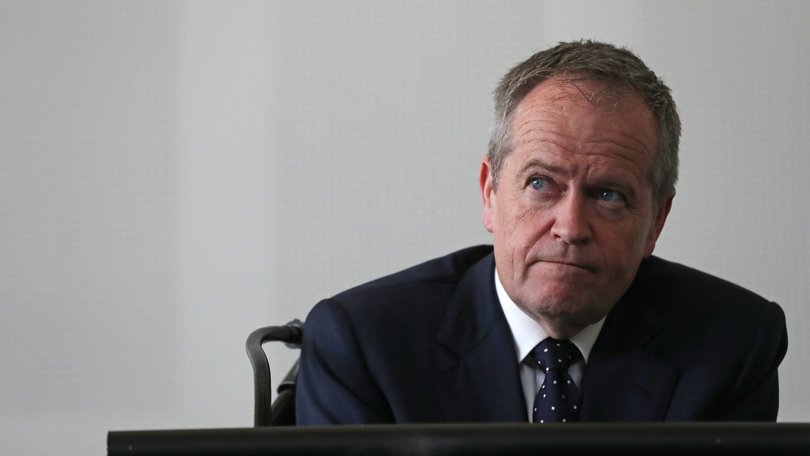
611, 196
538, 183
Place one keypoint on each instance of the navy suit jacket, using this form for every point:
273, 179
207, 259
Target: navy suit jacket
431, 344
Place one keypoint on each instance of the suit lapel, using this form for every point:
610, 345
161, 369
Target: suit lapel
478, 379
623, 380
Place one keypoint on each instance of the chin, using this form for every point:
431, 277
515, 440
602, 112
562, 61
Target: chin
574, 310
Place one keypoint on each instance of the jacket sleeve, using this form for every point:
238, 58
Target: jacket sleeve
335, 385
755, 395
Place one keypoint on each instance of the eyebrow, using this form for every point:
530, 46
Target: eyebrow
536, 163
608, 182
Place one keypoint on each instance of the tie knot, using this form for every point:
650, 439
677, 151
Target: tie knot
555, 354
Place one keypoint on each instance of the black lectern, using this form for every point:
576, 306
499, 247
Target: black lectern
656, 439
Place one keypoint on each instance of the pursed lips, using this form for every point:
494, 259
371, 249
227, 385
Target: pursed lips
564, 263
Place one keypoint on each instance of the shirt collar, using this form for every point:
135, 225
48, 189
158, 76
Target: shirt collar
527, 333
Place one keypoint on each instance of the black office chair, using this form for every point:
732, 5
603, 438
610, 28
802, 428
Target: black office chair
281, 411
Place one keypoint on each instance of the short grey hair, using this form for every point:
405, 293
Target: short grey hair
591, 61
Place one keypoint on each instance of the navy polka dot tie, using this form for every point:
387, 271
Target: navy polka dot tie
558, 397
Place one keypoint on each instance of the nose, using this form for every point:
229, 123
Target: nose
571, 223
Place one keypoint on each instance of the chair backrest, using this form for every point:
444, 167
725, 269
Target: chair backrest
267, 412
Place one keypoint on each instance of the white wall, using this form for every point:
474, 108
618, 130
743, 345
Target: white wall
174, 175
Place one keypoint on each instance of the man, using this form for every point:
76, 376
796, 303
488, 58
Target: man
569, 317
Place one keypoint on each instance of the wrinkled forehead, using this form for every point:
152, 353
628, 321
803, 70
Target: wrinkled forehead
586, 102
604, 94
587, 118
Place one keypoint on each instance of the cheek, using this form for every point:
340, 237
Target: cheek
628, 245
522, 227
518, 216
514, 238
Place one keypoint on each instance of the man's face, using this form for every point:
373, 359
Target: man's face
573, 215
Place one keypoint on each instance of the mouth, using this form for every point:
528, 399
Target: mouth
568, 265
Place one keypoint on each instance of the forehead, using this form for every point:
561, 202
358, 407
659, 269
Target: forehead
586, 99
585, 118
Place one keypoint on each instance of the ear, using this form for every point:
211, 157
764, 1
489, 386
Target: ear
486, 182
658, 224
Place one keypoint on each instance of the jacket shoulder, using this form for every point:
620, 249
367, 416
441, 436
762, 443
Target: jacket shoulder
448, 269
676, 288
413, 296
675, 278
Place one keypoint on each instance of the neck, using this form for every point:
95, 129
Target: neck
559, 330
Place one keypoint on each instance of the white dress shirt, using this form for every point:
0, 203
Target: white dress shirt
527, 333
